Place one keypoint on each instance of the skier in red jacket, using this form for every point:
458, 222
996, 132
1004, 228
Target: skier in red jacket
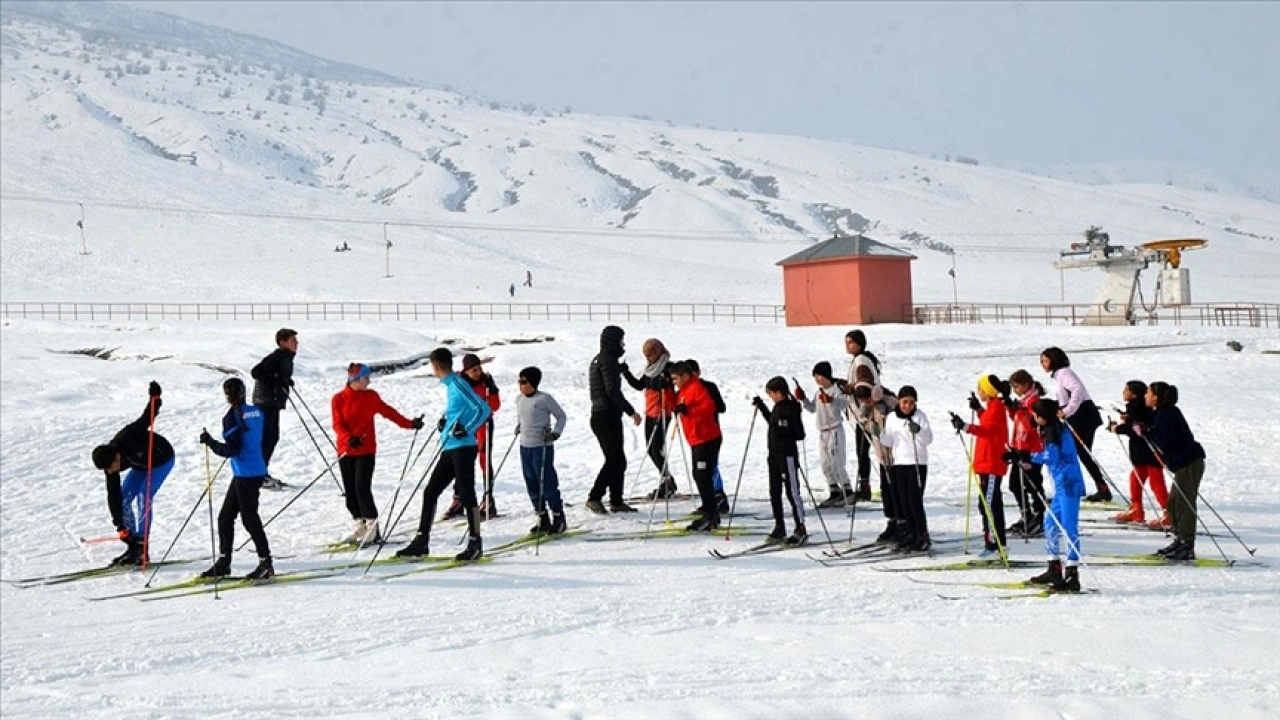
992, 433
353, 409
697, 412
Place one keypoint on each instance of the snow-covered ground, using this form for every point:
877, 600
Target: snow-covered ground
600, 210
623, 629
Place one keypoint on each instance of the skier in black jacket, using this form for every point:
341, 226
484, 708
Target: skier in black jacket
273, 376
148, 458
604, 379
786, 428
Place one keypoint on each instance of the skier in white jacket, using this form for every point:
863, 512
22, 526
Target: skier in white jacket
830, 405
907, 435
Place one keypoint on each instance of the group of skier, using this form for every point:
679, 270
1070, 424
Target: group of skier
1017, 430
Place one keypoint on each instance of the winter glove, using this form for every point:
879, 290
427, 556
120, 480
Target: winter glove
417, 423
289, 382
626, 369
913, 427
206, 438
153, 389
974, 403
355, 442
799, 393
440, 425
123, 533
1010, 403
459, 431
550, 436
757, 403
1010, 456
957, 422
681, 409
490, 385
824, 398
1139, 430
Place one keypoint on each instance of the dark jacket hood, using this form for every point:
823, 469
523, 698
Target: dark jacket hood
611, 340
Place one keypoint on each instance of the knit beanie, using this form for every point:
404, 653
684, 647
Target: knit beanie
532, 375
907, 391
987, 386
357, 371
823, 369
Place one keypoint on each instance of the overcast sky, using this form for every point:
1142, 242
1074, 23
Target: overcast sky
1179, 82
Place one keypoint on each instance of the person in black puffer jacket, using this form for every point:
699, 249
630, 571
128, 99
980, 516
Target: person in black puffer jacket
272, 378
608, 405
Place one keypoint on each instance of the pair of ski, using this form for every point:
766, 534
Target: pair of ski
520, 543
1035, 590
87, 574
673, 532
765, 548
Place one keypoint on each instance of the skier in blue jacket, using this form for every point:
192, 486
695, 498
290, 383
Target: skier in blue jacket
1063, 516
465, 412
242, 445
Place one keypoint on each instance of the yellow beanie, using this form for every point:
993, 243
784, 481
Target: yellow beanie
986, 388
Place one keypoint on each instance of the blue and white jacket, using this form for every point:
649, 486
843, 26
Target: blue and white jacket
242, 441
463, 408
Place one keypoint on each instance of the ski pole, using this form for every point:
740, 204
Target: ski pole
493, 474
853, 514
755, 412
146, 503
1205, 500
1106, 476
986, 506
968, 491
404, 473
323, 457
96, 540
1192, 506
377, 532
323, 430
666, 462
292, 500
430, 465
208, 488
818, 511
542, 497
505, 455
919, 520
1142, 486
208, 496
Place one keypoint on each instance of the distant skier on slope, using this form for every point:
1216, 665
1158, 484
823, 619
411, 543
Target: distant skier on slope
148, 458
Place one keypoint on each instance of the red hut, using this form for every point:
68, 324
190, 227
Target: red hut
847, 280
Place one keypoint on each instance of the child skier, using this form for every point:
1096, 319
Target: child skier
786, 428
1080, 412
1026, 480
991, 431
864, 368
148, 457
906, 437
1177, 448
697, 412
483, 384
242, 444
464, 413
1059, 455
534, 412
1145, 466
354, 409
830, 405
717, 484
874, 405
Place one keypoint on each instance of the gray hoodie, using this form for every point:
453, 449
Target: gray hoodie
534, 413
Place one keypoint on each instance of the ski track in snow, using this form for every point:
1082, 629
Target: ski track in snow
620, 629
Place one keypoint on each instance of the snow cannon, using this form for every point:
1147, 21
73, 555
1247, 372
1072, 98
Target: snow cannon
1121, 292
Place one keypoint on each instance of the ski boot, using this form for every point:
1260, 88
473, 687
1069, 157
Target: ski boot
544, 525
1133, 515
356, 533
416, 548
864, 491
1070, 580
1162, 522
264, 571
665, 490
1170, 548
558, 524
1018, 528
1051, 577
778, 535
1102, 496
221, 568
488, 508
371, 535
595, 506
132, 554
799, 537
706, 523
890, 530
722, 503
620, 506
1183, 553
474, 551
270, 483
454, 510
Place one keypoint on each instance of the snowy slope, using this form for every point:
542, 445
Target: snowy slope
494, 190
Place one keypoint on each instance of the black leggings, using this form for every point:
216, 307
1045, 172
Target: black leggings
990, 486
612, 475
241, 499
458, 464
1027, 487
908, 483
1086, 422
357, 485
270, 432
705, 458
655, 430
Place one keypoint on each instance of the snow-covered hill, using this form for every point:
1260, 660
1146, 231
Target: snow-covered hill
110, 105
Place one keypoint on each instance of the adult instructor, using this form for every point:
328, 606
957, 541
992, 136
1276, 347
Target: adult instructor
604, 379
